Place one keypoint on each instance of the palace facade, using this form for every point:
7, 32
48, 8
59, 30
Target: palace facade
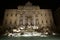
28, 17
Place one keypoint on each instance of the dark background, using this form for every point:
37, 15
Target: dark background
44, 4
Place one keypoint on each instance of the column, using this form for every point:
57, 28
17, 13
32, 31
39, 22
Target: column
23, 19
28, 21
34, 19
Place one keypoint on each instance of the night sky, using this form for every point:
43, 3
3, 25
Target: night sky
44, 4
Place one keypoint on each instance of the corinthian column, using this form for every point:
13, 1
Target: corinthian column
34, 20
23, 19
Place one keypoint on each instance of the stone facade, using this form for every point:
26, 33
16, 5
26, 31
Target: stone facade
28, 16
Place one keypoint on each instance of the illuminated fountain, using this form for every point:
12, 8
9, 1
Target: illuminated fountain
30, 20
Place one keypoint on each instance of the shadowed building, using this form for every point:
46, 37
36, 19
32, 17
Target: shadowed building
29, 17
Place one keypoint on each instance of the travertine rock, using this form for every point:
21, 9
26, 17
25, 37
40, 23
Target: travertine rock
28, 16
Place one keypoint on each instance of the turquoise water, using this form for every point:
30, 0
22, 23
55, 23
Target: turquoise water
57, 37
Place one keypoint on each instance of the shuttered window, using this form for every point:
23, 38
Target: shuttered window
42, 21
11, 14
10, 22
46, 21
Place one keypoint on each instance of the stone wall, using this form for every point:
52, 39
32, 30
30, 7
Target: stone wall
28, 16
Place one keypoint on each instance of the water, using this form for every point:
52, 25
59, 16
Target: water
51, 37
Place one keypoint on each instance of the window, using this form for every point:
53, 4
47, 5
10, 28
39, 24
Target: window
10, 22
42, 21
11, 14
46, 21
45, 14
15, 23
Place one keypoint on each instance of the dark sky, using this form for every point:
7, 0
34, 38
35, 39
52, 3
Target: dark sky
7, 4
